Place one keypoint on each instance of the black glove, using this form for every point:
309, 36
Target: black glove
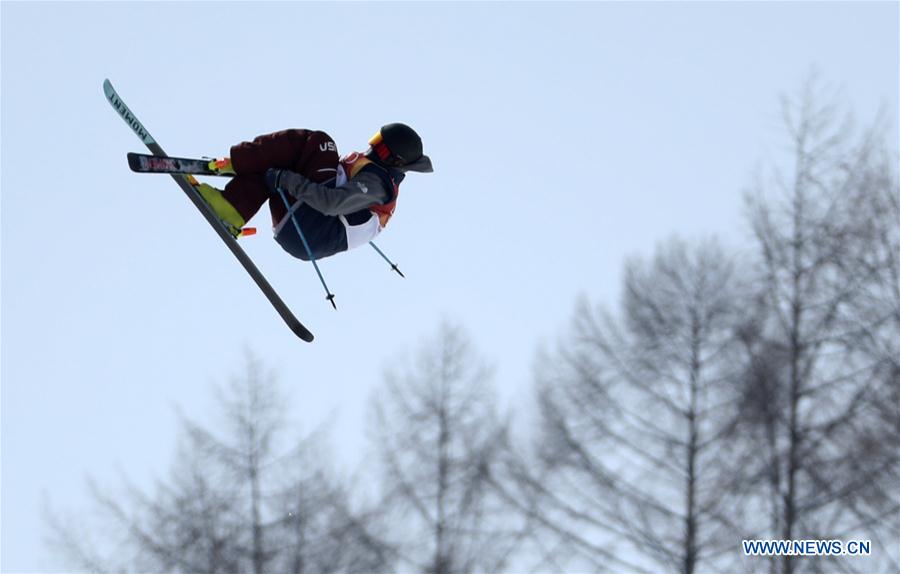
273, 178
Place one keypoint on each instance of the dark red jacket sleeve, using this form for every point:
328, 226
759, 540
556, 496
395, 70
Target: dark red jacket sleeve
310, 153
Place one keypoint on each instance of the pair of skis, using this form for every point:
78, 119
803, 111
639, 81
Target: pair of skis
181, 169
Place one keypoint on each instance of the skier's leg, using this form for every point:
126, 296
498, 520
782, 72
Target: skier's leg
246, 194
318, 162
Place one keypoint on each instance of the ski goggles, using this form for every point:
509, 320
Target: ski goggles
384, 154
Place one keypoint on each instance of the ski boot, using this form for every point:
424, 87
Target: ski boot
226, 212
222, 166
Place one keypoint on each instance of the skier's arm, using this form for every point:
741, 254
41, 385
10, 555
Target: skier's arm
364, 190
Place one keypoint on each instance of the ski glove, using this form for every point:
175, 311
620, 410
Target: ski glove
273, 178
285, 180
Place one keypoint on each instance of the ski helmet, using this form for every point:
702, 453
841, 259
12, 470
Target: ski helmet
398, 145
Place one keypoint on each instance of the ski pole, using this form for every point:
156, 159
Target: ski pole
391, 263
329, 294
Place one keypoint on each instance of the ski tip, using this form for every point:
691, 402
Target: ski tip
116, 102
302, 332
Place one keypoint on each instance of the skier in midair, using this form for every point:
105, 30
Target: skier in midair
338, 202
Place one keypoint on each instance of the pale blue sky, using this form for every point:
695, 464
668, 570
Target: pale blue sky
565, 137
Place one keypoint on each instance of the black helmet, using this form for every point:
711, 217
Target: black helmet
398, 145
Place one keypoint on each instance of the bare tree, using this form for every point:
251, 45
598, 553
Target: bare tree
873, 326
870, 341
437, 429
826, 281
634, 468
245, 500
320, 530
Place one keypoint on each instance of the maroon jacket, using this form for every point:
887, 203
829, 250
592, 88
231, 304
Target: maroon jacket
307, 152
